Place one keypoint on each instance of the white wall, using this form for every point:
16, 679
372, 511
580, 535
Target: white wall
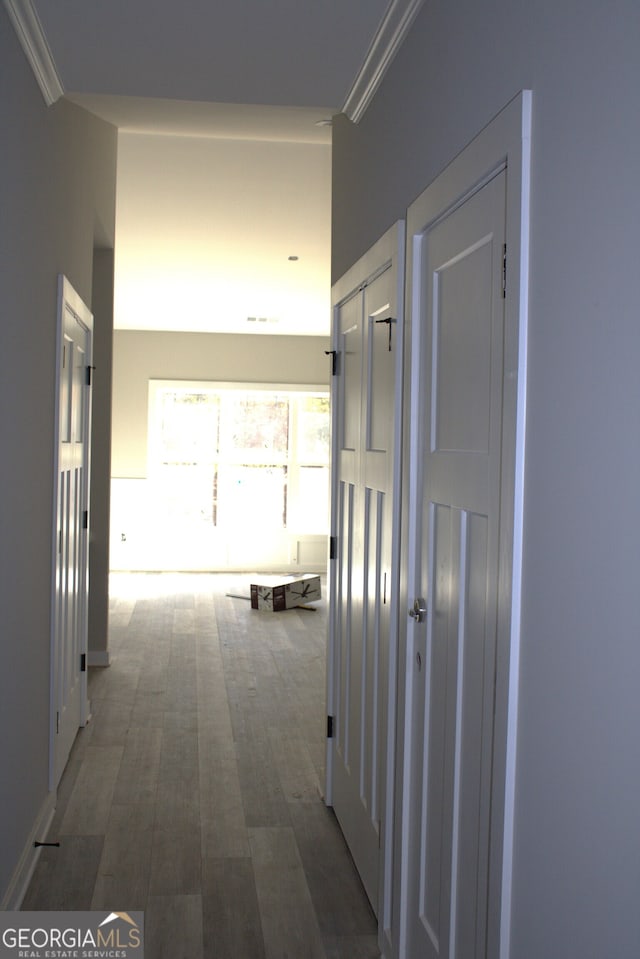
102, 308
57, 196
577, 842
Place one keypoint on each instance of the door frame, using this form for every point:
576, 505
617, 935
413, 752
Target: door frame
69, 299
504, 143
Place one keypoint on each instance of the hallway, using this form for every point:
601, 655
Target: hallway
194, 793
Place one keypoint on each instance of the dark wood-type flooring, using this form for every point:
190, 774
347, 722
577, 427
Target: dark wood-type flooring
194, 793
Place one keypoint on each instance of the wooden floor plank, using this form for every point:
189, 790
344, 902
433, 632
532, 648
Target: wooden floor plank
173, 928
296, 771
114, 721
65, 876
175, 856
262, 794
179, 754
222, 818
337, 893
89, 804
123, 874
139, 769
229, 933
289, 921
352, 947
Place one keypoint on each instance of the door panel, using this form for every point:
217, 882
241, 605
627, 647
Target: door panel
474, 699
350, 350
348, 611
367, 337
457, 560
433, 811
461, 350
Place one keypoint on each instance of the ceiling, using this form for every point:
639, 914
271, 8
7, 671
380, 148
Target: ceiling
232, 70
281, 52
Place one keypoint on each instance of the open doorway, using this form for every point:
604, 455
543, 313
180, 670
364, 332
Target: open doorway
222, 286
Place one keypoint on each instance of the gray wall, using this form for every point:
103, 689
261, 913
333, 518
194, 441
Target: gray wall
57, 188
141, 356
102, 307
577, 841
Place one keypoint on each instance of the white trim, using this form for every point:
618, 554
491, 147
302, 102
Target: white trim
520, 304
29, 31
384, 46
98, 657
193, 385
23, 872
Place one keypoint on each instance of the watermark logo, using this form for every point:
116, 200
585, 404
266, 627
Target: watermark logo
71, 935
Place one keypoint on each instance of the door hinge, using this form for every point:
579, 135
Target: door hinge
333, 547
334, 360
85, 519
89, 372
504, 270
389, 321
329, 727
83, 662
57, 723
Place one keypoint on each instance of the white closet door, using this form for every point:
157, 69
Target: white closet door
453, 668
71, 531
367, 398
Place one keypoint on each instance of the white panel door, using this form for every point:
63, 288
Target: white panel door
453, 667
367, 397
70, 588
466, 344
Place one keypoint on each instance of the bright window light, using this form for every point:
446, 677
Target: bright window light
236, 459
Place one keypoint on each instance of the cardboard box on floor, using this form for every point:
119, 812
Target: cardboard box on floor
284, 592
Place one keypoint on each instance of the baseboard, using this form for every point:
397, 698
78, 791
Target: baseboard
23, 872
98, 657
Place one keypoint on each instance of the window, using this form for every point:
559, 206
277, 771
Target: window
249, 460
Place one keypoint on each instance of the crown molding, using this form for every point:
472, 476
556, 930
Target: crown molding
384, 46
29, 31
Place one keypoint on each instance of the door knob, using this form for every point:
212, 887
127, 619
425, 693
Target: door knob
419, 610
